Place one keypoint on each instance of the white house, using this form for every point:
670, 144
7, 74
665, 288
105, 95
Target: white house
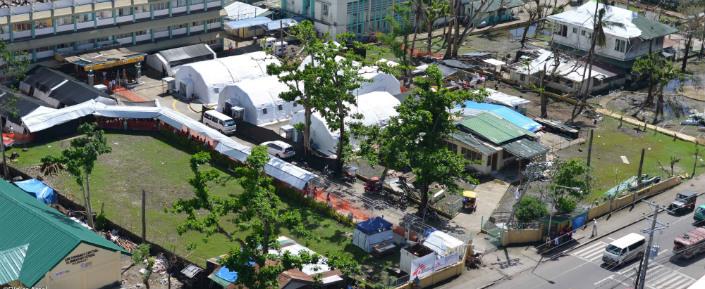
566, 76
205, 79
338, 16
260, 100
376, 108
628, 34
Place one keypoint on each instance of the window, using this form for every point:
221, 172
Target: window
582, 32
561, 30
620, 45
506, 155
85, 17
125, 11
452, 147
160, 6
22, 26
522, 77
280, 107
295, 104
125, 35
264, 111
471, 155
575, 30
324, 9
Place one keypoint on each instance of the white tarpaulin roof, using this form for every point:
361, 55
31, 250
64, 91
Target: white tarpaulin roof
239, 10
493, 61
567, 68
505, 99
442, 243
277, 168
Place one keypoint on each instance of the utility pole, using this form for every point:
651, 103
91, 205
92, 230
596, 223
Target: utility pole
692, 175
638, 176
144, 218
644, 265
589, 156
5, 171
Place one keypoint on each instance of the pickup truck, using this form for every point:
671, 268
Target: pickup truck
690, 244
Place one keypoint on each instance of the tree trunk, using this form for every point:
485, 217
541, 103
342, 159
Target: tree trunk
650, 96
423, 207
702, 46
383, 177
417, 18
659, 106
457, 38
429, 39
5, 170
307, 130
582, 96
452, 27
406, 60
687, 51
544, 98
523, 40
89, 208
341, 141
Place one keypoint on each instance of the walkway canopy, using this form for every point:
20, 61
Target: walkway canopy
105, 59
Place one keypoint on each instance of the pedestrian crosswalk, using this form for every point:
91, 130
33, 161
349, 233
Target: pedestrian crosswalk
592, 252
658, 276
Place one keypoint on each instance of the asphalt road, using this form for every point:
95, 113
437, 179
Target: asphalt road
582, 268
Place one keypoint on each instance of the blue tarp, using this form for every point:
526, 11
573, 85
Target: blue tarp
39, 190
227, 275
249, 22
506, 113
374, 226
277, 24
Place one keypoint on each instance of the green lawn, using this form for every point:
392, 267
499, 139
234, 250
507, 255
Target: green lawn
611, 142
142, 162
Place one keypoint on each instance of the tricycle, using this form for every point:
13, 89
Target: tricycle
470, 201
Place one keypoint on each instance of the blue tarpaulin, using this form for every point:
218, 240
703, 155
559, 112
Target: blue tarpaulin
39, 190
249, 22
227, 275
504, 112
374, 225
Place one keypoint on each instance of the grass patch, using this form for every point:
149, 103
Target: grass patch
143, 162
611, 142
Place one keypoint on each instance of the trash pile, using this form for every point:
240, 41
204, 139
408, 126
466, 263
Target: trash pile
697, 119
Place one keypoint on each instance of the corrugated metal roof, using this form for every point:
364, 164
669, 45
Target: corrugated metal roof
525, 149
493, 128
186, 52
11, 262
51, 235
472, 142
651, 29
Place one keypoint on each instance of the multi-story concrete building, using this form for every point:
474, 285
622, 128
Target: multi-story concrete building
43, 29
362, 17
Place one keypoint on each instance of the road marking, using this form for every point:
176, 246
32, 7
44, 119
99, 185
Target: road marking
680, 283
590, 247
664, 279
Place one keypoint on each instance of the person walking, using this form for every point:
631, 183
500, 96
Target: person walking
594, 228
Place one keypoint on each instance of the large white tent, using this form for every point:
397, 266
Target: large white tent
376, 108
205, 79
449, 250
260, 100
374, 78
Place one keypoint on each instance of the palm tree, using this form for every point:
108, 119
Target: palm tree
597, 38
666, 73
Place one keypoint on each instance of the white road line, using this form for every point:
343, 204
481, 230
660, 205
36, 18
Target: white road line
592, 255
628, 269
663, 279
681, 283
589, 248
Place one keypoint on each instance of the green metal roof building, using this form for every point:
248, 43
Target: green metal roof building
51, 242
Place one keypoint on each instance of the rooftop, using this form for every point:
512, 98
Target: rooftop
22, 217
618, 21
493, 128
105, 59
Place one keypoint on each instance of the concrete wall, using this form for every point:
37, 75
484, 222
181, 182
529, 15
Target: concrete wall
522, 236
437, 277
87, 267
621, 202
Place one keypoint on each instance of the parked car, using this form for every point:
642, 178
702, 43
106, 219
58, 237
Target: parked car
219, 121
279, 149
684, 203
699, 215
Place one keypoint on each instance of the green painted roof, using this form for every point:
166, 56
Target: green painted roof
472, 142
493, 128
652, 29
11, 262
50, 234
525, 149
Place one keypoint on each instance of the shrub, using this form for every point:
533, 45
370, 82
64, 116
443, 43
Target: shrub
529, 209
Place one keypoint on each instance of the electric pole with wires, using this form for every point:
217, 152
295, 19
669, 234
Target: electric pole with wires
643, 266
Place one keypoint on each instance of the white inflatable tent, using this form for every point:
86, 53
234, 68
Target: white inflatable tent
376, 108
260, 100
205, 79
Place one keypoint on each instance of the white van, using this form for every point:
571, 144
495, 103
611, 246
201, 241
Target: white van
625, 249
219, 121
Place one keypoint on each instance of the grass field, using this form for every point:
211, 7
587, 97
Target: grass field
142, 162
611, 143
